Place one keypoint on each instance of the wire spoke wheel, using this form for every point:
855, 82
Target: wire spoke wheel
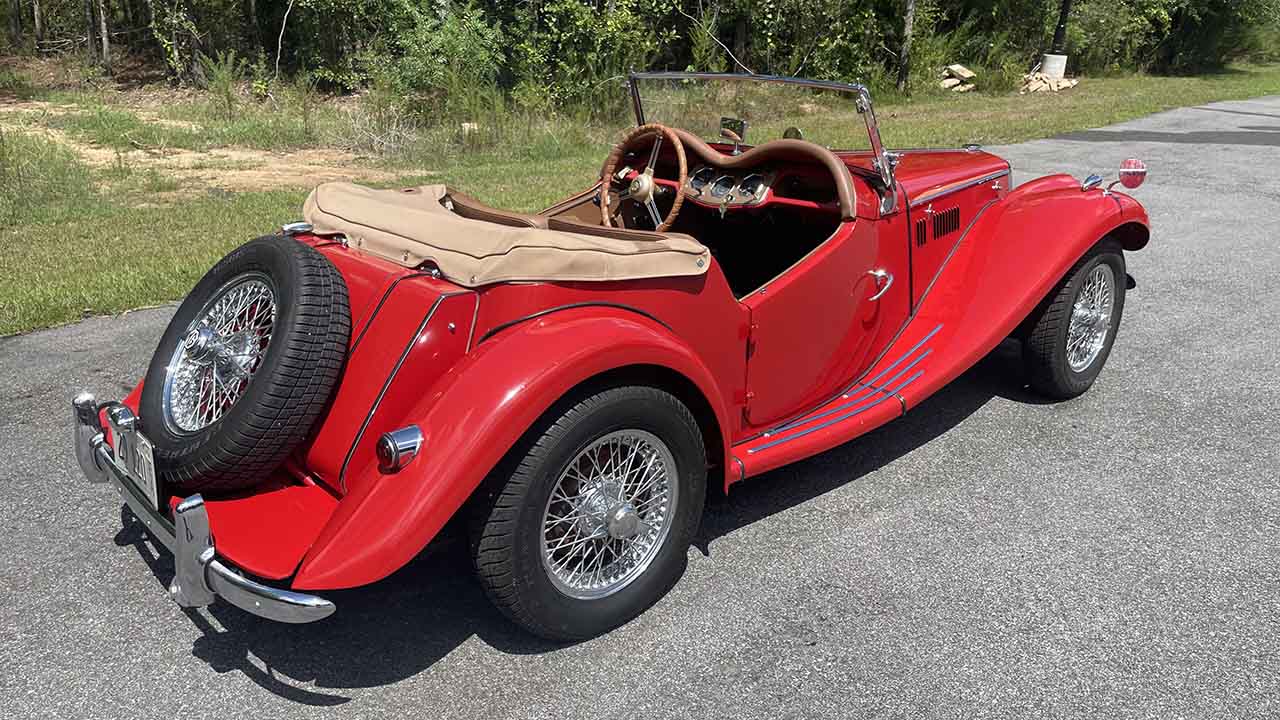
1091, 318
609, 513
219, 354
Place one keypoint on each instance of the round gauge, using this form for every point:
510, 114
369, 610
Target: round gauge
701, 177
751, 185
722, 186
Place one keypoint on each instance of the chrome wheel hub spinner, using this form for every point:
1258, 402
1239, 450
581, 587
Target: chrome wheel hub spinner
609, 514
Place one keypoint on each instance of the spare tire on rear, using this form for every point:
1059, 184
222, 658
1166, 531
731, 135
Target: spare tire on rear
246, 366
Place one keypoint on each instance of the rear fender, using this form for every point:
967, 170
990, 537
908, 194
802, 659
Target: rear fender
469, 423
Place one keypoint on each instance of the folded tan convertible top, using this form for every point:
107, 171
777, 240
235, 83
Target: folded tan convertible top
412, 226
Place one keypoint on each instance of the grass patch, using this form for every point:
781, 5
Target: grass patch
112, 258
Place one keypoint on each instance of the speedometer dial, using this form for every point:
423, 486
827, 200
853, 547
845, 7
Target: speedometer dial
700, 178
722, 186
751, 185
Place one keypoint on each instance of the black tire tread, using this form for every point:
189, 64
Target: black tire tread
309, 361
1043, 349
493, 526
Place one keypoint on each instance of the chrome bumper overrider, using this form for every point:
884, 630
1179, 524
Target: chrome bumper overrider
199, 575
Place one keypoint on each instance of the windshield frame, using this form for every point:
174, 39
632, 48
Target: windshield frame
883, 162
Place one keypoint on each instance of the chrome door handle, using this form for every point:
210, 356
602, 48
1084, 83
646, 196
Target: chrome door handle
884, 281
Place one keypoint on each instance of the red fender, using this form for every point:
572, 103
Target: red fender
1008, 261
495, 395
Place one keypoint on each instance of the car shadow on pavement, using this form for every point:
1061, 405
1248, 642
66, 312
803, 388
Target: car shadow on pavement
401, 626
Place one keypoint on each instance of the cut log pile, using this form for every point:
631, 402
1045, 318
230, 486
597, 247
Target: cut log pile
1039, 82
957, 78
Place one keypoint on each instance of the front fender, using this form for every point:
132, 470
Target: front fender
494, 396
1009, 259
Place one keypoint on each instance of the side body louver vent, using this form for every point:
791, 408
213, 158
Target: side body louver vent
947, 221
921, 229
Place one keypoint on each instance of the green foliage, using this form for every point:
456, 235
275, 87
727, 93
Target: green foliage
222, 78
450, 61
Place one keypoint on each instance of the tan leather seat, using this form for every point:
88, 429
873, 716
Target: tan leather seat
469, 207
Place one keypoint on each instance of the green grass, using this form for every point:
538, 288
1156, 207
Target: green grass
77, 242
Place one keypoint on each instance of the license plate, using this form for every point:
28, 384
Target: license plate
136, 454
144, 471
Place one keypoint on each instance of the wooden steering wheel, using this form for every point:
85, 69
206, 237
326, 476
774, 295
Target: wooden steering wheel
642, 185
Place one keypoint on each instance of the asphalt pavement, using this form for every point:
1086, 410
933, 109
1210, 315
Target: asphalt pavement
988, 555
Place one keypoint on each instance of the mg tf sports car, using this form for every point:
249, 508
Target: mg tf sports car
572, 383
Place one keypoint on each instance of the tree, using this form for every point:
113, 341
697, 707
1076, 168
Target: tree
38, 21
1060, 32
15, 21
904, 57
105, 35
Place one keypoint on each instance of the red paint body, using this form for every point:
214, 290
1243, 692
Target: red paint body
803, 365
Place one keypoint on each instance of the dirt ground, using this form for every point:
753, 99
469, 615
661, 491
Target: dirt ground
231, 169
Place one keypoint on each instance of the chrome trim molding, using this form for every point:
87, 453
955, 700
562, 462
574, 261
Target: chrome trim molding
933, 195
199, 576
295, 228
861, 396
571, 306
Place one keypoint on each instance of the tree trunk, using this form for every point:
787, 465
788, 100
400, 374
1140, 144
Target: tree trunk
15, 21
1060, 32
904, 57
38, 21
252, 26
127, 6
106, 36
91, 32
740, 40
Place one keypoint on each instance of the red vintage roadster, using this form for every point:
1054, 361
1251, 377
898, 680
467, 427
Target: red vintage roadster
574, 381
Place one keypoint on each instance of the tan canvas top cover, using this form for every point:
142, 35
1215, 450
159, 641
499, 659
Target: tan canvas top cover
411, 226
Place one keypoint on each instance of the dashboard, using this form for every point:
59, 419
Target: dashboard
712, 186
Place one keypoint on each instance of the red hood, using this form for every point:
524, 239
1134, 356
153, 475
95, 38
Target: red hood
920, 172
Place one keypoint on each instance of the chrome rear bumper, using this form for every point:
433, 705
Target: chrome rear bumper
199, 575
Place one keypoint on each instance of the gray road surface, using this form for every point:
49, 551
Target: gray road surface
988, 555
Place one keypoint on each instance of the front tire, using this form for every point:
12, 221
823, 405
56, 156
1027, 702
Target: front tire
1072, 332
589, 519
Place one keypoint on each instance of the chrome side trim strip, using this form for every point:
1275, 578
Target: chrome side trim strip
838, 408
886, 391
801, 433
864, 384
571, 306
943, 192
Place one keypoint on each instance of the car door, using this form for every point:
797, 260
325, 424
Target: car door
819, 325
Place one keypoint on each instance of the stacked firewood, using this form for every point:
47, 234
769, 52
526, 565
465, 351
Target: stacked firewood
1039, 82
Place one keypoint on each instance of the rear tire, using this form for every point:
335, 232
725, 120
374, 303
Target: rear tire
1071, 334
546, 502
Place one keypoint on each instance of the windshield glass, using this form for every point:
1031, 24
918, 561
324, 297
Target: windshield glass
824, 113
